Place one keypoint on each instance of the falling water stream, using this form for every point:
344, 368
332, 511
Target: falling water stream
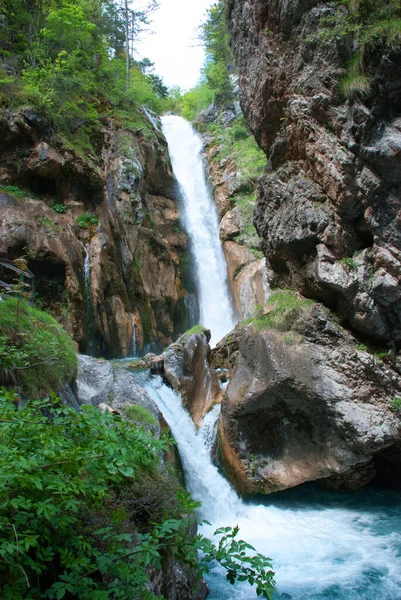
200, 220
324, 546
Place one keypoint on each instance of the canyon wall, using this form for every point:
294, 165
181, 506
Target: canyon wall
328, 210
118, 208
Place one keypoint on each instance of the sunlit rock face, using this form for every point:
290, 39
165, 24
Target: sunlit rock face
328, 211
187, 369
134, 246
307, 404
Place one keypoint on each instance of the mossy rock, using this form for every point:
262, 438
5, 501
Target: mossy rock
36, 354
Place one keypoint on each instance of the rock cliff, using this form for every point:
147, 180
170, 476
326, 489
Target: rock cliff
306, 403
100, 230
328, 209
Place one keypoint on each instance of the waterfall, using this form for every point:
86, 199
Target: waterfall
201, 222
134, 343
88, 290
333, 547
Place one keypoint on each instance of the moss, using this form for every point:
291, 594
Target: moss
147, 321
36, 354
195, 329
282, 311
140, 414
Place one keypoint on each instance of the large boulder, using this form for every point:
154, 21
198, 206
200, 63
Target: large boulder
307, 404
101, 382
187, 369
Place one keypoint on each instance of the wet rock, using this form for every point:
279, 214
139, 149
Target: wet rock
299, 408
101, 383
187, 369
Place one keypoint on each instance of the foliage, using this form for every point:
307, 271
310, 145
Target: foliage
66, 519
349, 263
59, 208
396, 404
139, 413
372, 25
215, 38
283, 310
86, 220
35, 352
14, 190
72, 61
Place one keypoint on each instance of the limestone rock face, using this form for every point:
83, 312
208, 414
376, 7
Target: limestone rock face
98, 382
187, 369
328, 212
113, 276
306, 407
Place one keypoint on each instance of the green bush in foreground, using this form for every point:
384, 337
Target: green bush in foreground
36, 354
66, 509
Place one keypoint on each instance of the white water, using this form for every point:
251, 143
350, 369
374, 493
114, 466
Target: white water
200, 220
332, 550
134, 343
88, 288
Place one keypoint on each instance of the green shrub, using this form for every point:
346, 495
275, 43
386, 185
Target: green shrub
36, 354
82, 514
139, 413
85, 221
59, 208
396, 404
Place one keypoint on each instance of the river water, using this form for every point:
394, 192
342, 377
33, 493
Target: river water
200, 220
324, 546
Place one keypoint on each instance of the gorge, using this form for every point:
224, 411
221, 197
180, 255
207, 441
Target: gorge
258, 281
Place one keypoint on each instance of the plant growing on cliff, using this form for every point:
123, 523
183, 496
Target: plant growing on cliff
371, 24
86, 220
69, 526
36, 354
283, 310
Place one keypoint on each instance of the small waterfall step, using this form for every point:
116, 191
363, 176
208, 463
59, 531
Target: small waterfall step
324, 546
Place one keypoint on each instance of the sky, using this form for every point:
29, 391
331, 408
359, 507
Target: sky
173, 46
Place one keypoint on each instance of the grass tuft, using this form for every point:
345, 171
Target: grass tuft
282, 311
36, 354
140, 414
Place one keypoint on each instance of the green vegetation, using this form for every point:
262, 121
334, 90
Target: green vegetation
85, 221
86, 512
139, 413
195, 329
59, 208
396, 404
36, 354
349, 263
14, 191
215, 85
283, 311
368, 25
72, 62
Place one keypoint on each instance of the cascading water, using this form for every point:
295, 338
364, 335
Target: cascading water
326, 547
201, 222
88, 289
134, 343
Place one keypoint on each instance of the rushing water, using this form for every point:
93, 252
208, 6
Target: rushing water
200, 220
324, 546
88, 289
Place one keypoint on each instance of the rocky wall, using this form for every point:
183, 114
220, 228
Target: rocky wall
329, 206
101, 232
